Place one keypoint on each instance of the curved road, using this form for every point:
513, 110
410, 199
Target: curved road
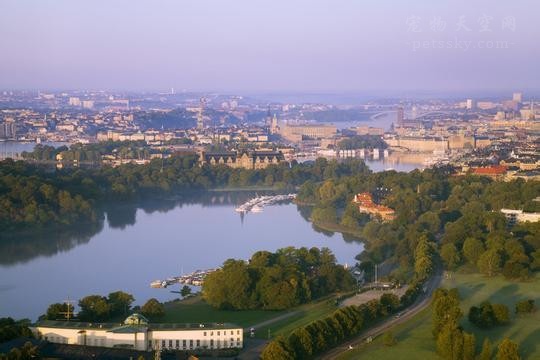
419, 305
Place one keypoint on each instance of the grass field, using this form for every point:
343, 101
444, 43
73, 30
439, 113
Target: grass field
306, 314
194, 310
414, 337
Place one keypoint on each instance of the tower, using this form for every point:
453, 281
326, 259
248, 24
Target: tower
274, 127
200, 117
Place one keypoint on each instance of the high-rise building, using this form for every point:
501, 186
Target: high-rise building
400, 117
74, 101
517, 96
471, 104
88, 104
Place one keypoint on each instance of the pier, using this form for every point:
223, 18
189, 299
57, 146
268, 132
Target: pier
257, 204
195, 278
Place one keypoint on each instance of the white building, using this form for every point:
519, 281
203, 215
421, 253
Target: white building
517, 216
137, 333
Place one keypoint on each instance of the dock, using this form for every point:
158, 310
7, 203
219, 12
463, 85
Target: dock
257, 204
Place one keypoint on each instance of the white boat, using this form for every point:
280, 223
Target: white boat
257, 209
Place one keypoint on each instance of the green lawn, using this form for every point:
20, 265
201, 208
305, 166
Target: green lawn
306, 314
414, 337
194, 310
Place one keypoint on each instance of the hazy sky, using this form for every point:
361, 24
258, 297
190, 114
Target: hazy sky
270, 45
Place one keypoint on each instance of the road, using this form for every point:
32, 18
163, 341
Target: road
419, 305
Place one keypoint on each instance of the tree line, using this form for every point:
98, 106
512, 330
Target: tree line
319, 336
97, 308
275, 281
32, 196
459, 215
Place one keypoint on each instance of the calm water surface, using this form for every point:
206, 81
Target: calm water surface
136, 246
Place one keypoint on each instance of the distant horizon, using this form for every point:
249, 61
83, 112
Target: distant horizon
315, 46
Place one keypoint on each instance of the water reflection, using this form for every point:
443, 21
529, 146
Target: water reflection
20, 248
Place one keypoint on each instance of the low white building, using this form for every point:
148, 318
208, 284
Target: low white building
517, 216
137, 333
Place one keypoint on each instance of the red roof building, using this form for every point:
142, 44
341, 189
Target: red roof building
366, 205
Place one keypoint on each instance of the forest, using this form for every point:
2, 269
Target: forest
458, 215
33, 196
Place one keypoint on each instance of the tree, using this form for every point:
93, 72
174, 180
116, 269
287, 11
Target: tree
450, 342
450, 256
487, 350
501, 314
445, 310
488, 315
120, 302
469, 346
473, 248
525, 306
153, 309
508, 350
58, 311
390, 302
277, 350
300, 342
94, 308
185, 291
489, 262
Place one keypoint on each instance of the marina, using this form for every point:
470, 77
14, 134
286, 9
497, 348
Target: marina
256, 205
195, 278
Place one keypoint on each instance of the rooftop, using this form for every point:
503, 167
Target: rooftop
121, 327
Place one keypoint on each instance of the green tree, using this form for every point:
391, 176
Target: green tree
473, 248
153, 309
489, 263
469, 346
487, 350
59, 311
450, 255
120, 302
300, 341
508, 350
185, 291
445, 310
450, 342
525, 307
501, 314
94, 308
277, 350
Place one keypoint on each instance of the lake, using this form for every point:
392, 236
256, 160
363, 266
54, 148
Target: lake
138, 244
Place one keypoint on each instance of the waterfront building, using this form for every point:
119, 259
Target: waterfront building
419, 144
246, 159
8, 129
139, 334
297, 133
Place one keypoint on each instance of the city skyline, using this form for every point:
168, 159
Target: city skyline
315, 47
